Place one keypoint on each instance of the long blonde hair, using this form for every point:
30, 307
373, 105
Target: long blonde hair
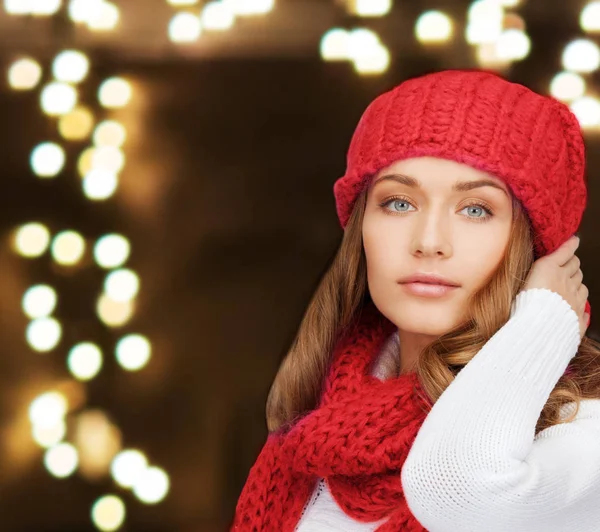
341, 294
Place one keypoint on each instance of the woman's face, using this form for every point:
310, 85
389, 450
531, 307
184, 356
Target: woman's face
433, 216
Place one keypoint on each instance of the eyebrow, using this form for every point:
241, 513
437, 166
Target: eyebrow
461, 186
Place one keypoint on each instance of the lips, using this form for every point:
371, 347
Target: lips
429, 279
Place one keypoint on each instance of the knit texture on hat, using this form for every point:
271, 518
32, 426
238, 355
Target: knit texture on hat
532, 142
358, 438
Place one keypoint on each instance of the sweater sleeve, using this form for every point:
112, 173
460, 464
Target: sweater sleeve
476, 464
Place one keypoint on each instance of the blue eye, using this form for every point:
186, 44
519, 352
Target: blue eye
476, 212
396, 204
477, 208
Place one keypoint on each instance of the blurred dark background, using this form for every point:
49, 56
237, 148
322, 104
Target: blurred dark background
234, 141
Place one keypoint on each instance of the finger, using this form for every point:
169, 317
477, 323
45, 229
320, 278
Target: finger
566, 251
572, 265
577, 277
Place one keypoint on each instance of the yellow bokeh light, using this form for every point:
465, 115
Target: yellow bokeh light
61, 460
39, 301
133, 352
99, 184
24, 74
185, 27
110, 133
114, 313
152, 485
108, 513
114, 93
127, 467
433, 27
68, 248
84, 163
58, 98
70, 66
85, 361
31, 240
112, 251
370, 8
47, 159
98, 441
77, 124
43, 334
109, 158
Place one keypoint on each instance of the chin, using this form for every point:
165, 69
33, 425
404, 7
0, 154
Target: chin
426, 321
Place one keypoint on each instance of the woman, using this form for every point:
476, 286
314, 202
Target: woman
440, 379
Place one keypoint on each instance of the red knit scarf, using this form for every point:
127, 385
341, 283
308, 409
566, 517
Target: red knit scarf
357, 438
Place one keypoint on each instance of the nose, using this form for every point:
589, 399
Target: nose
431, 236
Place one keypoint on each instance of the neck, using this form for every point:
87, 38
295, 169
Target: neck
411, 346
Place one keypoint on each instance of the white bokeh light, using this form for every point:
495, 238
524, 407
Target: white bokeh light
581, 55
70, 66
127, 467
85, 361
133, 352
39, 301
115, 93
122, 285
43, 334
112, 251
567, 86
68, 248
61, 460
58, 98
513, 45
587, 111
48, 409
335, 45
185, 27
152, 485
47, 159
589, 19
217, 15
100, 184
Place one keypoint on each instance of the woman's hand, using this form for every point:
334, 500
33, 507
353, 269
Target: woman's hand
560, 272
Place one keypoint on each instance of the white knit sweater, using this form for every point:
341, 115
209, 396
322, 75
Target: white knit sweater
476, 464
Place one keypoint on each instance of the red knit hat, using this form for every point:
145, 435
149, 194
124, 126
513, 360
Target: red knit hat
532, 142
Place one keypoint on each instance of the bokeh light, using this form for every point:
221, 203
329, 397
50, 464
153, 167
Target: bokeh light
581, 55
68, 248
122, 285
39, 301
24, 74
587, 111
85, 361
58, 98
152, 485
370, 8
110, 133
184, 27
513, 45
115, 92
71, 66
48, 436
44, 7
108, 513
106, 17
31, 240
433, 27
77, 124
127, 467
47, 159
217, 15
43, 334
99, 184
133, 352
61, 460
335, 45
48, 409
589, 19
114, 313
112, 251
567, 86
